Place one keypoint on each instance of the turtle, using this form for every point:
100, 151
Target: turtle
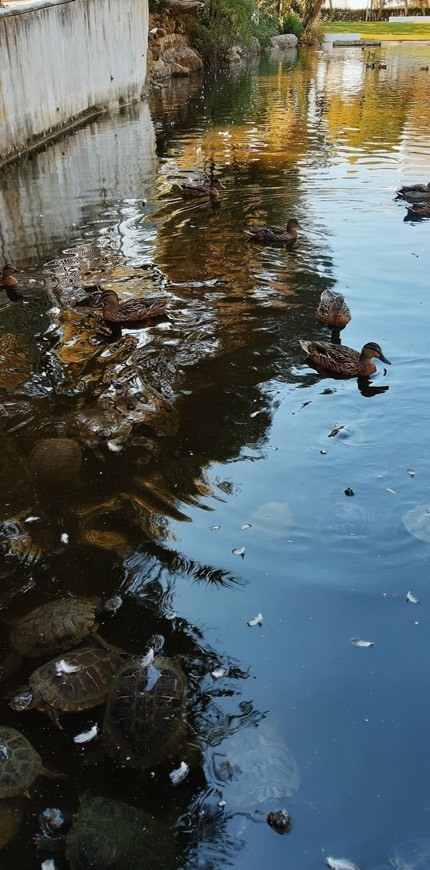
145, 717
107, 834
12, 812
20, 764
255, 774
78, 682
56, 461
60, 625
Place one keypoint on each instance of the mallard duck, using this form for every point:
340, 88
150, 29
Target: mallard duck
134, 310
344, 360
286, 235
333, 310
199, 191
414, 192
7, 279
419, 210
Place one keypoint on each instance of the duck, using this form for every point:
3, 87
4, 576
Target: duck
414, 192
199, 191
7, 279
286, 235
333, 310
419, 210
344, 360
133, 310
424, 68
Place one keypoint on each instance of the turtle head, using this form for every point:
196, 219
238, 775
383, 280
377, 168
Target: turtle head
109, 607
22, 699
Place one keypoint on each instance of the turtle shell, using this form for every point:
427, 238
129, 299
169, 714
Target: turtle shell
12, 812
20, 764
112, 835
54, 626
144, 722
56, 461
254, 769
87, 686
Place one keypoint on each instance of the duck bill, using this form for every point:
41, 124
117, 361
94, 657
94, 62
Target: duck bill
385, 360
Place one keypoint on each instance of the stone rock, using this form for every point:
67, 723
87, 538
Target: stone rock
284, 41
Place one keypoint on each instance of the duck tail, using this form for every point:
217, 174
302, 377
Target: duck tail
305, 345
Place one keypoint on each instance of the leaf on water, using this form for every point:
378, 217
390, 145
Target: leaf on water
64, 538
335, 431
214, 528
181, 773
86, 736
246, 526
410, 598
393, 491
257, 620
357, 641
239, 551
218, 672
417, 522
254, 413
35, 519
341, 864
323, 452
49, 864
411, 473
63, 667
349, 491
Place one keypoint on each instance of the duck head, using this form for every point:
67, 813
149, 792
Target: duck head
372, 350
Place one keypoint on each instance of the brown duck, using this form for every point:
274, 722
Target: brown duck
414, 192
200, 191
286, 235
7, 279
333, 310
343, 360
419, 210
133, 310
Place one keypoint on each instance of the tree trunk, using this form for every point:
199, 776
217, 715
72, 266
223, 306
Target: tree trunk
312, 11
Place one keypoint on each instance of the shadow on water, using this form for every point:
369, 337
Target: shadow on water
180, 467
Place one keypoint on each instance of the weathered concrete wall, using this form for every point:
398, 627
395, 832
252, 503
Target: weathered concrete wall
61, 58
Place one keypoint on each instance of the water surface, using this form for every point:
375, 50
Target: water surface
212, 420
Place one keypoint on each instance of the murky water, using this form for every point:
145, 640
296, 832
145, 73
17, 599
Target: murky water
209, 433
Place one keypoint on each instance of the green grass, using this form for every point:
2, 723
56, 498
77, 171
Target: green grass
380, 29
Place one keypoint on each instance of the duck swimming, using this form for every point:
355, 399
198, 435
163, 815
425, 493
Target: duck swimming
414, 192
286, 235
200, 191
419, 210
133, 310
333, 310
7, 279
343, 360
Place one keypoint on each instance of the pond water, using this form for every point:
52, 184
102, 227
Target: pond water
209, 433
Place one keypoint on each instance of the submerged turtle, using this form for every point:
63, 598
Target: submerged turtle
255, 773
78, 682
145, 719
12, 812
60, 625
107, 835
56, 461
20, 764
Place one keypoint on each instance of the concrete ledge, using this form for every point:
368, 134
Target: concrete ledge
65, 60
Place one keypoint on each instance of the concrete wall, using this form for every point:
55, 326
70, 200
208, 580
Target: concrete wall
61, 58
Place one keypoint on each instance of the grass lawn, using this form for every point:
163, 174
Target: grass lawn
380, 30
